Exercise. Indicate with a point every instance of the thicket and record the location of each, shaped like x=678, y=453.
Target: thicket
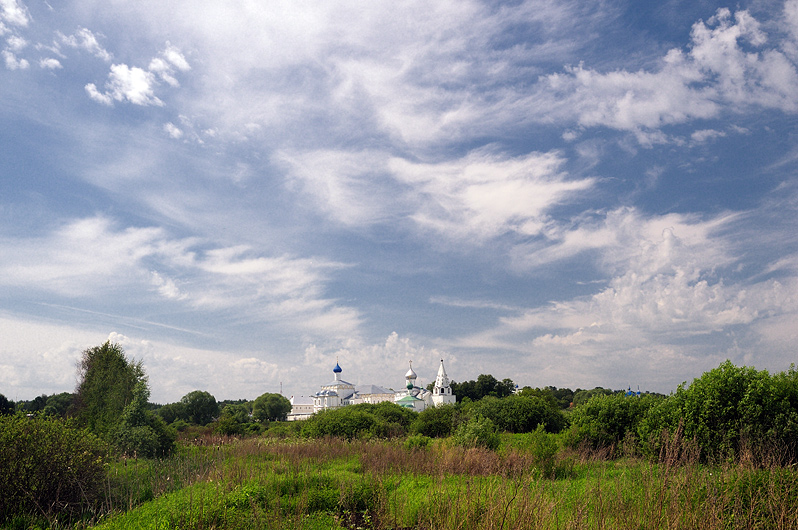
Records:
x=730, y=412
x=48, y=467
x=519, y=414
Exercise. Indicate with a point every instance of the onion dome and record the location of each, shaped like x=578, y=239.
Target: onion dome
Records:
x=337, y=368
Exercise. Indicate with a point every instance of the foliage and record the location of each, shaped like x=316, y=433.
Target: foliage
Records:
x=583, y=396
x=58, y=404
x=347, y=422
x=6, y=406
x=435, y=422
x=417, y=441
x=48, y=467
x=105, y=388
x=485, y=385
x=172, y=412
x=199, y=407
x=140, y=432
x=729, y=410
x=381, y=420
x=606, y=420
x=520, y=413
x=270, y=407
x=477, y=432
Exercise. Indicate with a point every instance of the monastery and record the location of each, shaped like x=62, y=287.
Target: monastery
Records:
x=340, y=393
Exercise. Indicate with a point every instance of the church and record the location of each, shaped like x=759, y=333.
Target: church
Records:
x=339, y=393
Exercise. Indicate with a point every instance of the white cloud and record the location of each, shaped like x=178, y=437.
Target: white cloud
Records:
x=89, y=258
x=485, y=195
x=84, y=39
x=50, y=64
x=173, y=131
x=13, y=13
x=136, y=85
x=704, y=135
x=477, y=197
x=14, y=63
x=132, y=84
x=717, y=73
x=164, y=67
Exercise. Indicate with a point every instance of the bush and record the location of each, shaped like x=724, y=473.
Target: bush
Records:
x=519, y=414
x=606, y=420
x=347, y=422
x=477, y=432
x=417, y=441
x=436, y=422
x=48, y=467
x=728, y=410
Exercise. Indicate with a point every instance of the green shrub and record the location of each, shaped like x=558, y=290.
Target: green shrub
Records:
x=520, y=413
x=436, y=422
x=729, y=410
x=477, y=432
x=417, y=441
x=347, y=422
x=606, y=420
x=48, y=467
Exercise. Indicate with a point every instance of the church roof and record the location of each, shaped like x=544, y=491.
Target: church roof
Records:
x=365, y=390
x=337, y=368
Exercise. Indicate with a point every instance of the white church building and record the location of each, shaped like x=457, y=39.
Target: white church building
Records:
x=339, y=393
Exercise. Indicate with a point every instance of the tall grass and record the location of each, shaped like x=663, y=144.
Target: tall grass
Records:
x=262, y=483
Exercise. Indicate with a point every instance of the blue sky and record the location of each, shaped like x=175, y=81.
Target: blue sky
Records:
x=562, y=193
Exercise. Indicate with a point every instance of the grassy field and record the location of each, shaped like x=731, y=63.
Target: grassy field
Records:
x=223, y=483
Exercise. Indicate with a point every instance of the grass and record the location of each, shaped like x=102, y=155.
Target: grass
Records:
x=224, y=483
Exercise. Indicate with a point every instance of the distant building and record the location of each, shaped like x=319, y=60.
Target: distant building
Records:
x=340, y=393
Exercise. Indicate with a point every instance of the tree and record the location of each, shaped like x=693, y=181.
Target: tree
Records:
x=58, y=404
x=105, y=388
x=6, y=406
x=140, y=432
x=485, y=385
x=271, y=407
x=200, y=407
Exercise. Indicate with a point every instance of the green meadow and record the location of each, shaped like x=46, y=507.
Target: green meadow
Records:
x=226, y=483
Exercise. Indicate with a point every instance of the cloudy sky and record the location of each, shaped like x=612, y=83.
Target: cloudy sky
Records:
x=562, y=192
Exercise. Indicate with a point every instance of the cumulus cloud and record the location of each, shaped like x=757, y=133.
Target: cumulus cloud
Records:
x=13, y=62
x=137, y=85
x=50, y=64
x=12, y=13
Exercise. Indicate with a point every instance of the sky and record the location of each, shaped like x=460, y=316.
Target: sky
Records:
x=242, y=194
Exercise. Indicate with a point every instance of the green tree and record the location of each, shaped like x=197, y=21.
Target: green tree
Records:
x=106, y=382
x=6, y=406
x=435, y=422
x=583, y=396
x=270, y=407
x=58, y=404
x=200, y=407
x=141, y=432
x=172, y=412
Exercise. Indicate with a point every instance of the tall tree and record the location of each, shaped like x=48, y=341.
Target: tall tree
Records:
x=106, y=382
x=271, y=407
